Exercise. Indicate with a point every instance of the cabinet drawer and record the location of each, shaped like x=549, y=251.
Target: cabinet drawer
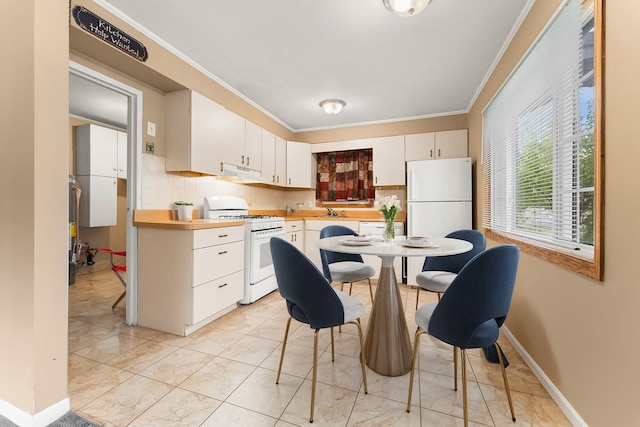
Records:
x=216, y=261
x=211, y=297
x=294, y=226
x=217, y=236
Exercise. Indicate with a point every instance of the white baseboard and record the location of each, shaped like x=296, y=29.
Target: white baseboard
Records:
x=41, y=419
x=553, y=391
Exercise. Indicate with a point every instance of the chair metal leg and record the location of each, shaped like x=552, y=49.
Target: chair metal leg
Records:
x=362, y=362
x=284, y=345
x=464, y=386
x=315, y=372
x=350, y=287
x=416, y=344
x=333, y=353
x=455, y=368
x=417, y=295
x=370, y=290
x=506, y=381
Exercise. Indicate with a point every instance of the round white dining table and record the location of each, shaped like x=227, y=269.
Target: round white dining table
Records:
x=387, y=347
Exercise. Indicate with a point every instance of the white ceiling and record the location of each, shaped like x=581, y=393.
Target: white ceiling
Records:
x=285, y=56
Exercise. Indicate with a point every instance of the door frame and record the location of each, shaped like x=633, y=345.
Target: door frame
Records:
x=134, y=178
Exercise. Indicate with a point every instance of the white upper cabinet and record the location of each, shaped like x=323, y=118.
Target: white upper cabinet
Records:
x=252, y=157
x=96, y=151
x=268, y=170
x=388, y=160
x=274, y=159
x=122, y=155
x=301, y=165
x=281, y=162
x=201, y=134
x=436, y=145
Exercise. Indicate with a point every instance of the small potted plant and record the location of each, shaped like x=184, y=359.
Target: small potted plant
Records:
x=185, y=210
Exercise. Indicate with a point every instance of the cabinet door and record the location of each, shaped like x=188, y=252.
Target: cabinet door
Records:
x=388, y=160
x=311, y=250
x=96, y=151
x=207, y=124
x=299, y=165
x=122, y=155
x=451, y=144
x=252, y=146
x=268, y=171
x=281, y=162
x=99, y=201
x=420, y=146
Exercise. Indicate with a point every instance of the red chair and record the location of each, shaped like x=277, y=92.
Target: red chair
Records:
x=118, y=270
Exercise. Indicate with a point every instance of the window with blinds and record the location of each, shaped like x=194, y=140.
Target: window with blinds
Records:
x=540, y=138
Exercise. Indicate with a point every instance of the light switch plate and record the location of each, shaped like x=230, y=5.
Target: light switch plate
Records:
x=151, y=129
x=150, y=149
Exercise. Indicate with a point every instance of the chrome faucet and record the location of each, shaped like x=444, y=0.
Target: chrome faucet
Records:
x=330, y=212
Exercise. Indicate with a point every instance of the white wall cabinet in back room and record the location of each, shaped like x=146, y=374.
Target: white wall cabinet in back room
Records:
x=388, y=160
x=252, y=157
x=301, y=165
x=436, y=145
x=201, y=134
x=101, y=158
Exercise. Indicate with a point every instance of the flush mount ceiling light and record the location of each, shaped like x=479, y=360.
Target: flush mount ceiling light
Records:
x=332, y=106
x=406, y=7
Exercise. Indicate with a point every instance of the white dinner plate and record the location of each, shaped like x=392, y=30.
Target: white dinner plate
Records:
x=419, y=244
x=356, y=242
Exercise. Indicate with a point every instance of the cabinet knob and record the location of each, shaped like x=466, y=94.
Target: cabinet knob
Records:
x=223, y=235
x=247, y=160
x=439, y=152
x=223, y=285
x=431, y=153
x=242, y=160
x=222, y=253
x=221, y=167
x=273, y=179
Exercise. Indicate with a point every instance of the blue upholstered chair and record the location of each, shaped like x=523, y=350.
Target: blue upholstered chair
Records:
x=471, y=312
x=438, y=272
x=344, y=268
x=311, y=299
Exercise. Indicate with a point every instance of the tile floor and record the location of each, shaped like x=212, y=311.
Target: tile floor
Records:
x=224, y=374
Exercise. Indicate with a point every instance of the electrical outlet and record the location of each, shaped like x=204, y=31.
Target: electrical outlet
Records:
x=150, y=147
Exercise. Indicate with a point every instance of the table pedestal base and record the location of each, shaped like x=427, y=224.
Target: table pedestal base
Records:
x=387, y=348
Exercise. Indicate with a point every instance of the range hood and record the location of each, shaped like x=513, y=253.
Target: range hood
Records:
x=240, y=174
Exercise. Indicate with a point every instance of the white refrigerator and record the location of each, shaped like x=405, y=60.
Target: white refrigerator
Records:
x=438, y=201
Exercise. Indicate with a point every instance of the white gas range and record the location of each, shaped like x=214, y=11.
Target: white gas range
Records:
x=259, y=275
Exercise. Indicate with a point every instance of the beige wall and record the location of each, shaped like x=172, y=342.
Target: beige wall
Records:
x=583, y=333
x=33, y=184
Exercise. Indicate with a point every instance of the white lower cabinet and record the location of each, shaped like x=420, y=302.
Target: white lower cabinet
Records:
x=295, y=233
x=187, y=278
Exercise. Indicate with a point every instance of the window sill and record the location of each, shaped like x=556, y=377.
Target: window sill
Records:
x=590, y=268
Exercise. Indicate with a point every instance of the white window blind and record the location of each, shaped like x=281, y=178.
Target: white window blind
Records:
x=538, y=140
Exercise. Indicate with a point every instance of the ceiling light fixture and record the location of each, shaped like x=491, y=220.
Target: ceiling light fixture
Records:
x=332, y=106
x=406, y=7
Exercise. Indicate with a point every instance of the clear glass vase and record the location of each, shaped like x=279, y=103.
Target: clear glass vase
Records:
x=389, y=231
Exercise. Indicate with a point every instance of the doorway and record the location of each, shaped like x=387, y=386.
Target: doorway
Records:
x=134, y=168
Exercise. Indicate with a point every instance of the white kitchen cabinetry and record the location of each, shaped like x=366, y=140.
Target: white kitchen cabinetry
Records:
x=295, y=233
x=436, y=145
x=187, y=278
x=274, y=159
x=101, y=158
x=312, y=228
x=301, y=165
x=201, y=134
x=268, y=171
x=122, y=155
x=99, y=201
x=252, y=157
x=388, y=161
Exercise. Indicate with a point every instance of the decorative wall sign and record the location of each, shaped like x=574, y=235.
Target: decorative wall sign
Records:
x=93, y=24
